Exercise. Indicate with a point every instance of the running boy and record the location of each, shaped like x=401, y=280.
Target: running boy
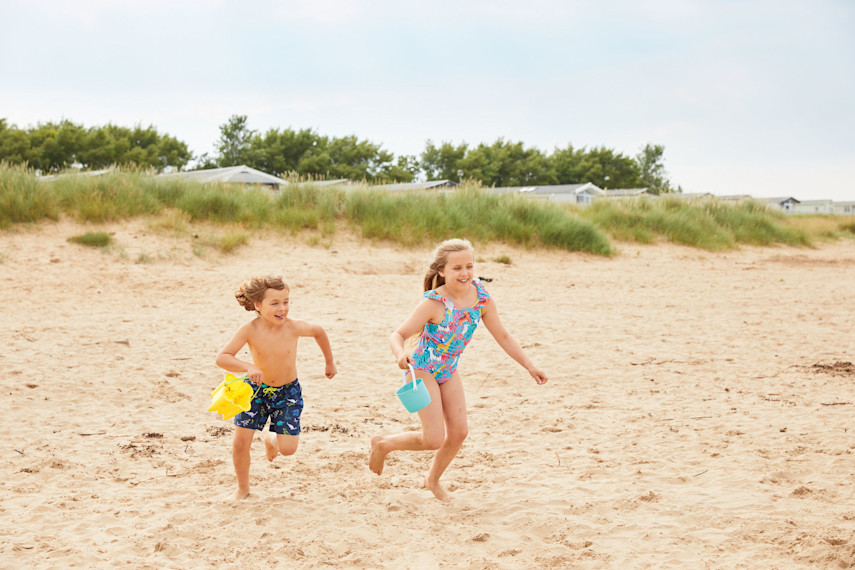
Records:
x=272, y=340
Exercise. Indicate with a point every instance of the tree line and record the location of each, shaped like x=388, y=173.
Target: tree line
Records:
x=50, y=147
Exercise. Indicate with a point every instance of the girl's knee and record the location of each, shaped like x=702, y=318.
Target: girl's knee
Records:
x=457, y=436
x=434, y=440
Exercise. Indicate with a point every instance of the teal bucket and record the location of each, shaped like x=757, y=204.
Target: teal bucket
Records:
x=414, y=395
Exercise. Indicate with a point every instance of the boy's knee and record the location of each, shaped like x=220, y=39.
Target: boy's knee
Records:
x=241, y=445
x=287, y=449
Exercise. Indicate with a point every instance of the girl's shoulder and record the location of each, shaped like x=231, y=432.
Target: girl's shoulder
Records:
x=434, y=295
x=483, y=295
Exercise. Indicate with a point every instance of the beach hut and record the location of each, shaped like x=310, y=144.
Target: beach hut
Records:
x=844, y=208
x=688, y=195
x=232, y=174
x=428, y=185
x=814, y=207
x=787, y=204
x=562, y=193
x=624, y=193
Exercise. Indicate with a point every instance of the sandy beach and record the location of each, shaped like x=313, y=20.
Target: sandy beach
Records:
x=700, y=411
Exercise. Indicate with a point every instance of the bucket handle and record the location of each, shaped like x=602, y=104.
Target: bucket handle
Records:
x=245, y=378
x=415, y=385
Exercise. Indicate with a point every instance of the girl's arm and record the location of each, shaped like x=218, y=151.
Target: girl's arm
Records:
x=490, y=317
x=228, y=360
x=427, y=310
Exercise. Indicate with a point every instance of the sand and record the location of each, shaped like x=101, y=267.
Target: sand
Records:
x=700, y=411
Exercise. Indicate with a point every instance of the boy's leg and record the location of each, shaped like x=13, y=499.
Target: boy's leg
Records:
x=241, y=459
x=431, y=436
x=276, y=443
x=284, y=429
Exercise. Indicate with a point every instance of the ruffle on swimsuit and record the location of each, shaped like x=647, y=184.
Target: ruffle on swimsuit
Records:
x=440, y=345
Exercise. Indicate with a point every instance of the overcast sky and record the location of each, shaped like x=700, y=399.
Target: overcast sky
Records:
x=747, y=96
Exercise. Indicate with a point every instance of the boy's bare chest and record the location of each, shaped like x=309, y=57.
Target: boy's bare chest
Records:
x=278, y=345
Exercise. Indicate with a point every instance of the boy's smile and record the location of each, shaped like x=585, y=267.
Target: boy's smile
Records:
x=274, y=306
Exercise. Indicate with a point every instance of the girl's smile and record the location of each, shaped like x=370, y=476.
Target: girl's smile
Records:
x=458, y=270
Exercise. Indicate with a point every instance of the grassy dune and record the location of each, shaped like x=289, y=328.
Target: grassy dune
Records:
x=408, y=218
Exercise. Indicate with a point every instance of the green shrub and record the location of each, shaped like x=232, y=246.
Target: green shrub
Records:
x=92, y=239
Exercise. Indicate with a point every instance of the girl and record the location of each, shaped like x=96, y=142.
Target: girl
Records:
x=453, y=305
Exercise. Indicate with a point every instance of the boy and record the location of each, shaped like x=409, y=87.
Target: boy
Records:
x=272, y=340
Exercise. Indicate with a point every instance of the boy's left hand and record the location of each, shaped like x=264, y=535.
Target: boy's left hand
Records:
x=538, y=376
x=330, y=370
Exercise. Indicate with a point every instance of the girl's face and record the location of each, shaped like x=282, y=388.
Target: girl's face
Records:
x=459, y=270
x=273, y=308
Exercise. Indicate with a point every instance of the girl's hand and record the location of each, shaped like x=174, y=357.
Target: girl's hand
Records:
x=254, y=374
x=404, y=361
x=538, y=376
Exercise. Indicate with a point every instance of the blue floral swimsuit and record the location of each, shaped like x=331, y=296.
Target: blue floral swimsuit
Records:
x=441, y=344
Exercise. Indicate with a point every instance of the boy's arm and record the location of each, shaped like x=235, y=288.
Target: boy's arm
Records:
x=490, y=317
x=228, y=360
x=320, y=335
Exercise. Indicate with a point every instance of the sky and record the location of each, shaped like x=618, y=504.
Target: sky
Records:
x=749, y=97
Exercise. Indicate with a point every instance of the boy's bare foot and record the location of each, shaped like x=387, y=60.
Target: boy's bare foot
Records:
x=271, y=447
x=437, y=490
x=378, y=455
x=239, y=495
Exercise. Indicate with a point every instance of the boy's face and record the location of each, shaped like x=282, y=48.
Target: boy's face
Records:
x=274, y=306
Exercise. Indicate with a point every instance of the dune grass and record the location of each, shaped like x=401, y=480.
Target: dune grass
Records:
x=421, y=217
x=22, y=198
x=709, y=224
x=176, y=205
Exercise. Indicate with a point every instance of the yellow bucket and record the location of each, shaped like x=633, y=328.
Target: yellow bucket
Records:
x=231, y=397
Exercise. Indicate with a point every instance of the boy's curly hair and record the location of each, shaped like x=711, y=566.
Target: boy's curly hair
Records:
x=252, y=291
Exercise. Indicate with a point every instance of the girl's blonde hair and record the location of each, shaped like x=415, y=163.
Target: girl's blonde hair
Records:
x=433, y=279
x=440, y=258
x=253, y=291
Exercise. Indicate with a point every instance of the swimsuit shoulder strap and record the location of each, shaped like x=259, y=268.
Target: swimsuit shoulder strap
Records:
x=432, y=294
x=483, y=296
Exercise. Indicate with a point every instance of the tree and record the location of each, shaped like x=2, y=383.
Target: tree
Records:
x=110, y=145
x=54, y=146
x=14, y=143
x=442, y=163
x=507, y=164
x=347, y=157
x=279, y=152
x=234, y=143
x=600, y=166
x=653, y=175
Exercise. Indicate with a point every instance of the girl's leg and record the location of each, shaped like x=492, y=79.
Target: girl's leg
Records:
x=276, y=443
x=456, y=430
x=431, y=436
x=241, y=459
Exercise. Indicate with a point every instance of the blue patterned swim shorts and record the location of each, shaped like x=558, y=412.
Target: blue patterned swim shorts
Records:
x=282, y=404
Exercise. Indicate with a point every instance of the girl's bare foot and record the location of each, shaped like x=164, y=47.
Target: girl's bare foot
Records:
x=239, y=495
x=271, y=447
x=437, y=490
x=378, y=455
